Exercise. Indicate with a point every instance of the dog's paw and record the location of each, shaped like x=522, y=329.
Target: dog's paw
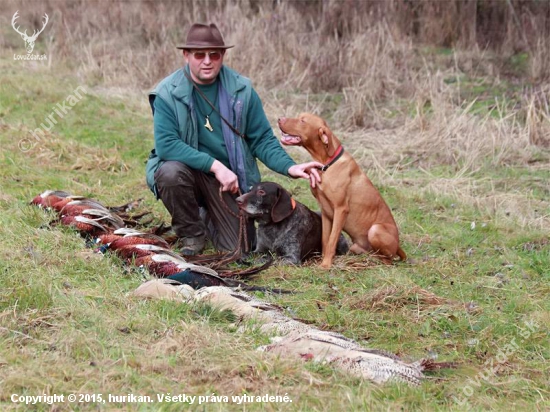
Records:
x=290, y=260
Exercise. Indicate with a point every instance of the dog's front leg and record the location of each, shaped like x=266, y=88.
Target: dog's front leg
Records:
x=262, y=246
x=326, y=218
x=329, y=248
x=326, y=223
x=290, y=259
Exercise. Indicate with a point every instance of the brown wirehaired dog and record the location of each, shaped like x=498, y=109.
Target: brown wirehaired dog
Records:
x=285, y=226
x=347, y=197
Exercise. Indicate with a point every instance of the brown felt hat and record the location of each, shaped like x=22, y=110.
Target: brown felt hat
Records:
x=202, y=36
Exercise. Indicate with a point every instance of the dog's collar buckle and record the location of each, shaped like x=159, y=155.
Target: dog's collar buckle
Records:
x=334, y=158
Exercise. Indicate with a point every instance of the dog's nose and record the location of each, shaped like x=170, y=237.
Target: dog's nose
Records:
x=239, y=200
x=282, y=120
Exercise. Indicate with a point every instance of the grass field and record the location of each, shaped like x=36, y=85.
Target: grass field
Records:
x=465, y=171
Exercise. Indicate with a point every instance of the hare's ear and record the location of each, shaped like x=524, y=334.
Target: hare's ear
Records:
x=283, y=206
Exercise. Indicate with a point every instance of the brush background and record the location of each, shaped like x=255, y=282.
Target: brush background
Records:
x=445, y=105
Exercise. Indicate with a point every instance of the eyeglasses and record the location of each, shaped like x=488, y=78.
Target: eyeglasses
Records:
x=214, y=55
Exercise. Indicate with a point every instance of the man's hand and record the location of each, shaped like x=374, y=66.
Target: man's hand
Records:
x=307, y=171
x=228, y=180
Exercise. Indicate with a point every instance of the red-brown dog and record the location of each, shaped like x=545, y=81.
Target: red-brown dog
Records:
x=347, y=197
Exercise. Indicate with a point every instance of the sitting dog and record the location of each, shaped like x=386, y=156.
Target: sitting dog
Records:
x=347, y=197
x=285, y=226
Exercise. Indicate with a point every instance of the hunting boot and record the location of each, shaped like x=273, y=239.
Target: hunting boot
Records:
x=192, y=245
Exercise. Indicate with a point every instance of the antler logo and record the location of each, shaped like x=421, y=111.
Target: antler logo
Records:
x=29, y=40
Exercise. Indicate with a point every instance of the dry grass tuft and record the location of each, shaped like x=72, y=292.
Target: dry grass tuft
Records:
x=391, y=298
x=349, y=263
x=537, y=120
x=538, y=244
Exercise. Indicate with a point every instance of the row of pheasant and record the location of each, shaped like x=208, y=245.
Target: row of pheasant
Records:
x=177, y=279
x=107, y=227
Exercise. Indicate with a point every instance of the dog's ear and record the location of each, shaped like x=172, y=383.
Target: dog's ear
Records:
x=282, y=207
x=326, y=136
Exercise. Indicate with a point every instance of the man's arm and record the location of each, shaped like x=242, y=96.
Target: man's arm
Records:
x=266, y=147
x=228, y=180
x=263, y=143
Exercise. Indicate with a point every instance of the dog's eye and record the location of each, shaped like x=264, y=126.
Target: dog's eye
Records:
x=261, y=192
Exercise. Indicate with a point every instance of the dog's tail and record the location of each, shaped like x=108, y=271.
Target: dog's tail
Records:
x=402, y=255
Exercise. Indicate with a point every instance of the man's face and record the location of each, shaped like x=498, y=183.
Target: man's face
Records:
x=204, y=64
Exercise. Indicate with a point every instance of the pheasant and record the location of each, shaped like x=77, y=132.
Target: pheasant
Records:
x=130, y=252
x=59, y=205
x=92, y=222
x=69, y=206
x=138, y=239
x=155, y=268
x=49, y=197
x=84, y=225
x=108, y=238
x=105, y=240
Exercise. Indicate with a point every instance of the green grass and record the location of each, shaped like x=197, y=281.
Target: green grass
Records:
x=67, y=324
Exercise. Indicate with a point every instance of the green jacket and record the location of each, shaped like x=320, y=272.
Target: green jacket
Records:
x=176, y=135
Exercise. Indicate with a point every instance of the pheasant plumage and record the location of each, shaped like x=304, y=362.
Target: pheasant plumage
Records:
x=84, y=224
x=49, y=197
x=141, y=239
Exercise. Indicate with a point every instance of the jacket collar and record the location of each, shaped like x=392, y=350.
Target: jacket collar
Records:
x=182, y=89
